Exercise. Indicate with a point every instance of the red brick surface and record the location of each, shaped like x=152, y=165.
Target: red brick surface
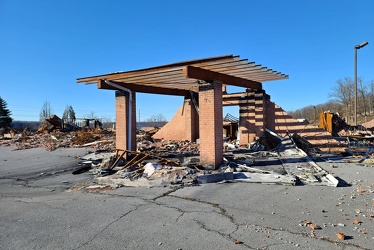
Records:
x=210, y=123
x=122, y=113
x=183, y=125
x=318, y=137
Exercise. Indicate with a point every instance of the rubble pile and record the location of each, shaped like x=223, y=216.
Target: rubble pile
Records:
x=98, y=139
x=145, y=143
x=54, y=133
x=177, y=146
x=159, y=166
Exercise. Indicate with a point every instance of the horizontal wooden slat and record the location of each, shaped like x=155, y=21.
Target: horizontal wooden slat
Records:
x=229, y=69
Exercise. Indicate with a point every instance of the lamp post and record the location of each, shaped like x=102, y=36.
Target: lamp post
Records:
x=355, y=74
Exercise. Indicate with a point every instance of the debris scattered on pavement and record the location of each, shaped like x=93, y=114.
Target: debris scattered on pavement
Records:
x=167, y=163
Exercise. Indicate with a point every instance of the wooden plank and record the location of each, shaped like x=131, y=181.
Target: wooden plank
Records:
x=139, y=157
x=117, y=159
x=144, y=89
x=208, y=75
x=132, y=162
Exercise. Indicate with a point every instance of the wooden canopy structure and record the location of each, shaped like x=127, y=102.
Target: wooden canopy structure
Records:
x=180, y=78
x=202, y=79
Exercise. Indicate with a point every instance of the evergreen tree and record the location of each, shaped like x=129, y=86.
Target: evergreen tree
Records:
x=5, y=119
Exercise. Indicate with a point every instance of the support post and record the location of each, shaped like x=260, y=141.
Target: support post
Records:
x=125, y=131
x=211, y=123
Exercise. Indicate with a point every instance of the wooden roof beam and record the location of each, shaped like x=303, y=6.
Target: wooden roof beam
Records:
x=144, y=89
x=208, y=75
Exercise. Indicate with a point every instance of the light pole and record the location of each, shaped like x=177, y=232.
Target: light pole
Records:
x=355, y=74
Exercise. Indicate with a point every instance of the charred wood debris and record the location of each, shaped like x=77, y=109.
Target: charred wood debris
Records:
x=271, y=160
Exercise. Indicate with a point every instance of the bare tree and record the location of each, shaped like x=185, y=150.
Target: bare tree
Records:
x=343, y=93
x=342, y=101
x=91, y=115
x=362, y=96
x=309, y=112
x=371, y=96
x=45, y=112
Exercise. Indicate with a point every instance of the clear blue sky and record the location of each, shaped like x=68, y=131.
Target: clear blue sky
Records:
x=45, y=45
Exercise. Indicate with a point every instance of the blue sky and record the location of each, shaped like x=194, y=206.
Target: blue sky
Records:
x=45, y=45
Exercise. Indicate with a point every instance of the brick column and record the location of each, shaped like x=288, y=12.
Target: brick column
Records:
x=270, y=114
x=247, y=128
x=260, y=118
x=122, y=120
x=211, y=123
x=191, y=119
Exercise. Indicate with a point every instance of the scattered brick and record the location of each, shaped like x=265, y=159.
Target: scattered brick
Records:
x=358, y=222
x=314, y=227
x=341, y=236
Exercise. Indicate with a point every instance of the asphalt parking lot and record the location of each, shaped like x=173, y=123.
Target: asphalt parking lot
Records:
x=42, y=208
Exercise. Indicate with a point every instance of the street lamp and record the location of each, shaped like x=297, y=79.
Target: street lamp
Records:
x=355, y=74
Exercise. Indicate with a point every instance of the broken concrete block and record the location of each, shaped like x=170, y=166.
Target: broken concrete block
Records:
x=150, y=168
x=211, y=178
x=333, y=180
x=265, y=178
x=7, y=136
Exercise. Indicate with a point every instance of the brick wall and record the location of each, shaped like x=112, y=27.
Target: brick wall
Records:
x=183, y=125
x=174, y=129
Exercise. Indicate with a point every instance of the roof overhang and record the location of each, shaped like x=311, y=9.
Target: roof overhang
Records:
x=182, y=77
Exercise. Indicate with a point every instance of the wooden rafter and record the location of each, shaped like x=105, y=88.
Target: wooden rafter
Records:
x=207, y=75
x=144, y=89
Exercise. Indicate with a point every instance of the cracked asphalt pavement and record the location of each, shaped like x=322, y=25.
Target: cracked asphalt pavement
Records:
x=38, y=211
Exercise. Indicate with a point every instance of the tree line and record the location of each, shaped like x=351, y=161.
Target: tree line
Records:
x=342, y=101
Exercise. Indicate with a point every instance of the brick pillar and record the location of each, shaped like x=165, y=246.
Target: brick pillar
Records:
x=247, y=128
x=191, y=119
x=270, y=114
x=122, y=119
x=211, y=123
x=260, y=118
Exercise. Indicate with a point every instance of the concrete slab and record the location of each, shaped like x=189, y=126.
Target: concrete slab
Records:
x=211, y=178
x=265, y=178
